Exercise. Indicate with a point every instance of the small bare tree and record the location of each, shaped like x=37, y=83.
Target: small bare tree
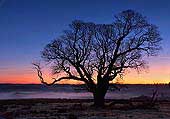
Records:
x=97, y=53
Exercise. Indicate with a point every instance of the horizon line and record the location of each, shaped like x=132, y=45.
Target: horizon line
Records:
x=83, y=84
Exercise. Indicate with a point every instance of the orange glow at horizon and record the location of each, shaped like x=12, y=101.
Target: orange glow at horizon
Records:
x=131, y=78
x=159, y=72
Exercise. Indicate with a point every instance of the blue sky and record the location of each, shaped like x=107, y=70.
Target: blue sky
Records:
x=26, y=26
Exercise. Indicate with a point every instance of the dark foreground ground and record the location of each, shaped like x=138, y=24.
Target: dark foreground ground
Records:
x=81, y=109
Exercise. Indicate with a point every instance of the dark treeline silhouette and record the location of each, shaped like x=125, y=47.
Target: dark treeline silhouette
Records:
x=98, y=53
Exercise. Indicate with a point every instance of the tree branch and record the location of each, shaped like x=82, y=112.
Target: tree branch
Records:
x=39, y=73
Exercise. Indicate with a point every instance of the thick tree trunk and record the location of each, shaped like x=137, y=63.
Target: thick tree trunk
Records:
x=99, y=94
x=99, y=99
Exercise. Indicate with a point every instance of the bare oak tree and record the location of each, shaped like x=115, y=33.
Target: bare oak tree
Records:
x=97, y=53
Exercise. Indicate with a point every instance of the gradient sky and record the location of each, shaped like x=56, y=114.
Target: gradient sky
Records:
x=26, y=26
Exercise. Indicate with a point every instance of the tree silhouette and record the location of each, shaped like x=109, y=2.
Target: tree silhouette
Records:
x=97, y=53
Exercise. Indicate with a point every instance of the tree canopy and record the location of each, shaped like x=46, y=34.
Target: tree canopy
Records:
x=97, y=53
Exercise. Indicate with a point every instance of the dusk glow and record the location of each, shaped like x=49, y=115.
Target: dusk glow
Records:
x=26, y=26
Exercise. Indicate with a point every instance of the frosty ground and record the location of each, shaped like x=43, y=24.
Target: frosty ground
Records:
x=80, y=109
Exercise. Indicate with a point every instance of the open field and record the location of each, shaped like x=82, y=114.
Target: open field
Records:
x=80, y=109
x=31, y=91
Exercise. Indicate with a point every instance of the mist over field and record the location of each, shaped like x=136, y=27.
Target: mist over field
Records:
x=27, y=91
